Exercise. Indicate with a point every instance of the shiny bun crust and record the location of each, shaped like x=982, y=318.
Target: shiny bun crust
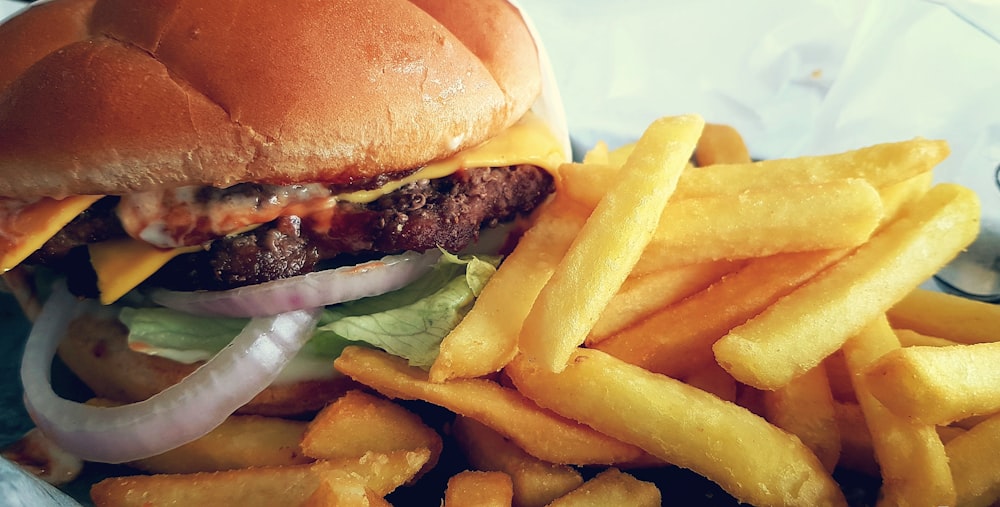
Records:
x=96, y=350
x=116, y=96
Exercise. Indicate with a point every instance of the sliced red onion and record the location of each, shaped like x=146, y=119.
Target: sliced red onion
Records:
x=179, y=414
x=312, y=290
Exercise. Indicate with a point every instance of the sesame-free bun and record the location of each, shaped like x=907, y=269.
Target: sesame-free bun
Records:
x=188, y=92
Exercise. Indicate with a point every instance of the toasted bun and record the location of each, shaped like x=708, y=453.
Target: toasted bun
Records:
x=187, y=92
x=96, y=350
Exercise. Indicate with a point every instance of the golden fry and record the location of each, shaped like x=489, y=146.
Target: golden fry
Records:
x=881, y=165
x=677, y=340
x=720, y=144
x=911, y=456
x=479, y=489
x=245, y=487
x=609, y=244
x=611, y=487
x=909, y=338
x=642, y=295
x=374, y=425
x=762, y=222
x=540, y=432
x=535, y=482
x=598, y=154
x=947, y=316
x=751, y=459
x=805, y=408
x=239, y=442
x=973, y=458
x=795, y=333
x=938, y=385
x=486, y=339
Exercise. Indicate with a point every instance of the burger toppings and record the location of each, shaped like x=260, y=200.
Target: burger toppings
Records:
x=171, y=418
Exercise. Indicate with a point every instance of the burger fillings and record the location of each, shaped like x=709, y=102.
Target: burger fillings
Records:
x=349, y=127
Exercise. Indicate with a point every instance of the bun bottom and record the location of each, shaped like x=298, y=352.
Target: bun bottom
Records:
x=96, y=350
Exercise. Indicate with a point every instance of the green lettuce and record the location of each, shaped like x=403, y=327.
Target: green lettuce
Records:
x=409, y=322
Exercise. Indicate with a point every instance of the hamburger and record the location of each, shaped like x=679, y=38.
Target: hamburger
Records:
x=204, y=195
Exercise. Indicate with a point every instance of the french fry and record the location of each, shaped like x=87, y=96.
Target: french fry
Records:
x=856, y=451
x=245, y=487
x=535, y=482
x=678, y=339
x=479, y=489
x=713, y=379
x=938, y=385
x=910, y=338
x=239, y=442
x=805, y=408
x=946, y=316
x=339, y=490
x=642, y=295
x=540, y=432
x=762, y=222
x=973, y=458
x=881, y=165
x=486, y=339
x=598, y=154
x=795, y=333
x=751, y=459
x=611, y=487
x=720, y=144
x=374, y=425
x=609, y=244
x=897, y=196
x=911, y=457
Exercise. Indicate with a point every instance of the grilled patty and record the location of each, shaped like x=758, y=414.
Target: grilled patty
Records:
x=446, y=212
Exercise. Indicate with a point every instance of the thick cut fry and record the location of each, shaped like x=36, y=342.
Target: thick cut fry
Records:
x=805, y=408
x=910, y=455
x=486, y=339
x=801, y=329
x=973, y=458
x=897, y=196
x=720, y=144
x=337, y=491
x=938, y=385
x=479, y=489
x=762, y=222
x=598, y=154
x=678, y=340
x=536, y=482
x=239, y=442
x=250, y=487
x=540, y=432
x=611, y=487
x=751, y=459
x=855, y=441
x=609, y=244
x=947, y=316
x=374, y=425
x=882, y=165
x=641, y=296
x=909, y=338
x=713, y=379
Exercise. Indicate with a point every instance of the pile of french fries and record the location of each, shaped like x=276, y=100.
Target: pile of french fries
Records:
x=759, y=323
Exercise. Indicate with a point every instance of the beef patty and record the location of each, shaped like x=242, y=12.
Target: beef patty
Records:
x=445, y=212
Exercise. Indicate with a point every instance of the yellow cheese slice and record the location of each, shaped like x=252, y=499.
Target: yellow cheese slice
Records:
x=31, y=226
x=529, y=141
x=122, y=264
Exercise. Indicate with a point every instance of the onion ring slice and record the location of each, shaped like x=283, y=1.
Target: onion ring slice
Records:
x=311, y=290
x=179, y=414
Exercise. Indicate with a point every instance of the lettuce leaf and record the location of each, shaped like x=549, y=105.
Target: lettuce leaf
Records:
x=409, y=322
